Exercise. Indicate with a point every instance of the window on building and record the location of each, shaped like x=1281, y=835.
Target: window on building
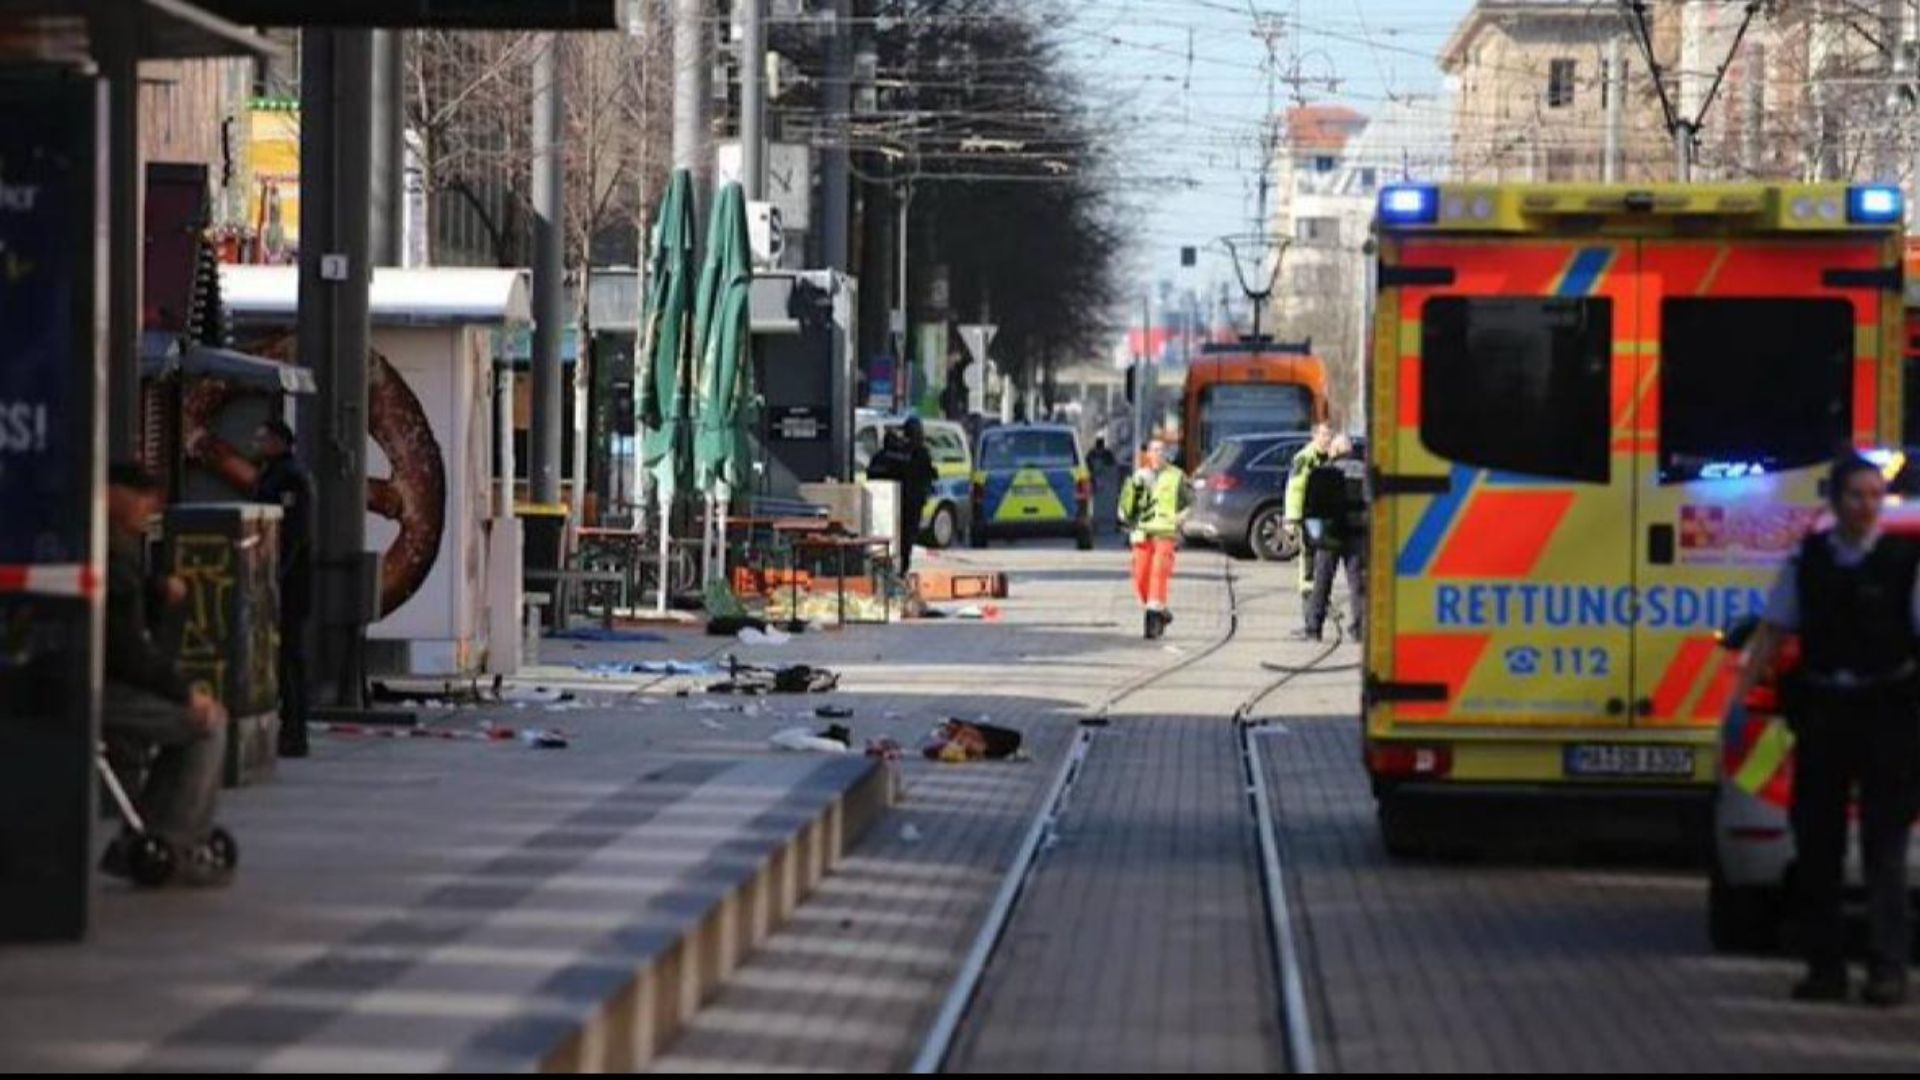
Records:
x=1369, y=179
x=1560, y=74
x=1317, y=230
x=1753, y=383
x=1519, y=384
x=1324, y=164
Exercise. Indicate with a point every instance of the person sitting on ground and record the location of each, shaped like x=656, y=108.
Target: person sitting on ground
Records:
x=146, y=704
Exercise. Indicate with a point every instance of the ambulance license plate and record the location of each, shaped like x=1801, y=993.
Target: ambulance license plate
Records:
x=1675, y=761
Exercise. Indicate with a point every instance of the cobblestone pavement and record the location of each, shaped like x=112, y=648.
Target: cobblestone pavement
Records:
x=1538, y=961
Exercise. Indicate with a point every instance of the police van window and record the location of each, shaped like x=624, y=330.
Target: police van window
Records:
x=1027, y=449
x=1752, y=386
x=946, y=447
x=1519, y=384
x=865, y=444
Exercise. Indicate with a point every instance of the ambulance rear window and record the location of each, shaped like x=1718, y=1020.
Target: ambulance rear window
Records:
x=1753, y=385
x=1519, y=384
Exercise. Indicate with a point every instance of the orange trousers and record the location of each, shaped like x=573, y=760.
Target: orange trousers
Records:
x=1153, y=570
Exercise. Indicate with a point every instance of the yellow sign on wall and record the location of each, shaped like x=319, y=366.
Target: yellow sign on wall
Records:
x=273, y=147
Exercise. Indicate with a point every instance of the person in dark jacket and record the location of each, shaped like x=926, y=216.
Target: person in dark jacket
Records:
x=1852, y=594
x=146, y=703
x=1335, y=512
x=911, y=465
x=284, y=482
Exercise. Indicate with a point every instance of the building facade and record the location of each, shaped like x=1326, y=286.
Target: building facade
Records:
x=1531, y=96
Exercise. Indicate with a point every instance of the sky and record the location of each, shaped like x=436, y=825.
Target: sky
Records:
x=1188, y=80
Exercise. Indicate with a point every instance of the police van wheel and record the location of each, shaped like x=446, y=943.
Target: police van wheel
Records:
x=1741, y=919
x=1270, y=539
x=945, y=528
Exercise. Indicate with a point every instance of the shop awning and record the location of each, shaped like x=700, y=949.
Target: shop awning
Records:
x=162, y=354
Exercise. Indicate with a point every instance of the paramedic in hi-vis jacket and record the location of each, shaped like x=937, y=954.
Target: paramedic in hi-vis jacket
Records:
x=1850, y=593
x=1151, y=506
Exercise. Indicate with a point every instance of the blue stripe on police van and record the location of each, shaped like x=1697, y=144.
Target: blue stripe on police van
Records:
x=1434, y=524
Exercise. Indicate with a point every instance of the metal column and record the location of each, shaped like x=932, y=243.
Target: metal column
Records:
x=116, y=45
x=753, y=98
x=835, y=186
x=548, y=291
x=336, y=155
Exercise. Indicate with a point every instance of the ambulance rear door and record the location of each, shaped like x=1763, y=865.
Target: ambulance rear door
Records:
x=1760, y=360
x=1507, y=501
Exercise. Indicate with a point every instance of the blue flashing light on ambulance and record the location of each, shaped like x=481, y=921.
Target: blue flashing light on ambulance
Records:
x=1598, y=416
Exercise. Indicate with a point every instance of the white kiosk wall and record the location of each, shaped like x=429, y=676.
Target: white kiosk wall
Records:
x=433, y=512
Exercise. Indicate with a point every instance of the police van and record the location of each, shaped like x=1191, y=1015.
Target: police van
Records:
x=1598, y=419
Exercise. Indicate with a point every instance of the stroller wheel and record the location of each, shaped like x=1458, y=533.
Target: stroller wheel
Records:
x=221, y=845
x=150, y=861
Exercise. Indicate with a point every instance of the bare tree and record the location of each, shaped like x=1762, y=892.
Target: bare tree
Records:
x=469, y=105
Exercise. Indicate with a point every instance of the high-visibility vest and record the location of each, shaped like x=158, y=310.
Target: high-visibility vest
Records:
x=1154, y=508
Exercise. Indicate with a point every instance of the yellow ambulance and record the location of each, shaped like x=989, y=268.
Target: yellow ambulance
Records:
x=1599, y=415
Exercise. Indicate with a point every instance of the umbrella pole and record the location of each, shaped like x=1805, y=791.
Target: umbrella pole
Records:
x=725, y=499
x=666, y=541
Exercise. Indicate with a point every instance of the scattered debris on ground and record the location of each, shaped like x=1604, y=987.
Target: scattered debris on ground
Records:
x=958, y=741
x=607, y=634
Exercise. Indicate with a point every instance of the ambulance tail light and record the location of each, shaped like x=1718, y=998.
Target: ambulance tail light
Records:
x=1399, y=761
x=1222, y=482
x=1409, y=204
x=1875, y=204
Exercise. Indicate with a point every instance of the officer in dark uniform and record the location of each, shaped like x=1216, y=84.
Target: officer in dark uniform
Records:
x=1853, y=596
x=284, y=482
x=1335, y=512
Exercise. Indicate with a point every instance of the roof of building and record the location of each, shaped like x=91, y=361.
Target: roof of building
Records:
x=1322, y=127
x=1485, y=13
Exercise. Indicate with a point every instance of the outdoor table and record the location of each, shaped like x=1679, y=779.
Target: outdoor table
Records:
x=877, y=551
x=622, y=549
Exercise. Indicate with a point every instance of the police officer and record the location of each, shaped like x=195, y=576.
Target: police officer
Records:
x=1311, y=456
x=1852, y=595
x=283, y=482
x=1335, y=509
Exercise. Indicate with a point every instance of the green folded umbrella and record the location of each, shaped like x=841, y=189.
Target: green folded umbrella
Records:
x=723, y=320
x=664, y=389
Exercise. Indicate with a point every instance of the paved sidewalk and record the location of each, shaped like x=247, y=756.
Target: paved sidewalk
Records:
x=1528, y=964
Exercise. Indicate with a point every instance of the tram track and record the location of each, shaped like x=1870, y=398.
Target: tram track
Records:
x=1294, y=1019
